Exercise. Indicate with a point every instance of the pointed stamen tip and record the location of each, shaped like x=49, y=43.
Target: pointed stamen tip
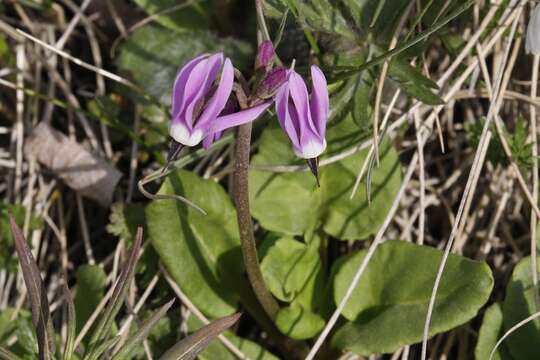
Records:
x=313, y=164
x=174, y=149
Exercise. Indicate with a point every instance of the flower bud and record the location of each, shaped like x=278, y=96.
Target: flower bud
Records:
x=271, y=83
x=265, y=56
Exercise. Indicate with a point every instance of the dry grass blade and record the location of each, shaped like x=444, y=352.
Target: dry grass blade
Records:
x=188, y=348
x=71, y=324
x=140, y=336
x=38, y=297
x=104, y=326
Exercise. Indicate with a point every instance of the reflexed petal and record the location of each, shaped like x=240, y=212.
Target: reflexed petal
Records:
x=319, y=104
x=200, y=85
x=179, y=85
x=300, y=97
x=220, y=97
x=239, y=118
x=282, y=111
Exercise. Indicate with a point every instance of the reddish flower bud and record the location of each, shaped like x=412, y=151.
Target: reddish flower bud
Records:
x=265, y=56
x=271, y=82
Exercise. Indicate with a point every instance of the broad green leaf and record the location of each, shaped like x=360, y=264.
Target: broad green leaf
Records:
x=153, y=55
x=216, y=349
x=189, y=15
x=201, y=252
x=299, y=323
x=388, y=307
x=285, y=202
x=518, y=304
x=490, y=332
x=356, y=218
x=289, y=267
x=91, y=281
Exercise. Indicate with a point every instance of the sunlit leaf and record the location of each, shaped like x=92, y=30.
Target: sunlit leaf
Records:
x=201, y=252
x=388, y=307
x=518, y=304
x=298, y=322
x=490, y=332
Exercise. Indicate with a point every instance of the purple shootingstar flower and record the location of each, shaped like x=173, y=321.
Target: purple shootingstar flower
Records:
x=200, y=110
x=303, y=118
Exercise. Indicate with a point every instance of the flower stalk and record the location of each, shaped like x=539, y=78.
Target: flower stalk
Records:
x=243, y=214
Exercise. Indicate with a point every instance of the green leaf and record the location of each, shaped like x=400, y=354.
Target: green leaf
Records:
x=124, y=220
x=189, y=15
x=490, y=332
x=216, y=349
x=41, y=317
x=288, y=267
x=91, y=281
x=321, y=15
x=189, y=347
x=413, y=82
x=361, y=108
x=291, y=203
x=18, y=323
x=518, y=304
x=299, y=323
x=153, y=55
x=70, y=322
x=346, y=18
x=100, y=340
x=282, y=202
x=7, y=260
x=142, y=333
x=356, y=218
x=202, y=253
x=388, y=308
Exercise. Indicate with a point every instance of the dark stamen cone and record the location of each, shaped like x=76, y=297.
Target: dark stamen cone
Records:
x=174, y=149
x=314, y=167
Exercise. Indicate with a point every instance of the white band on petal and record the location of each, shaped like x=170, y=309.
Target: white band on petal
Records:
x=311, y=150
x=182, y=135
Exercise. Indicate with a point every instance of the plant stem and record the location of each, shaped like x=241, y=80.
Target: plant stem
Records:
x=245, y=225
